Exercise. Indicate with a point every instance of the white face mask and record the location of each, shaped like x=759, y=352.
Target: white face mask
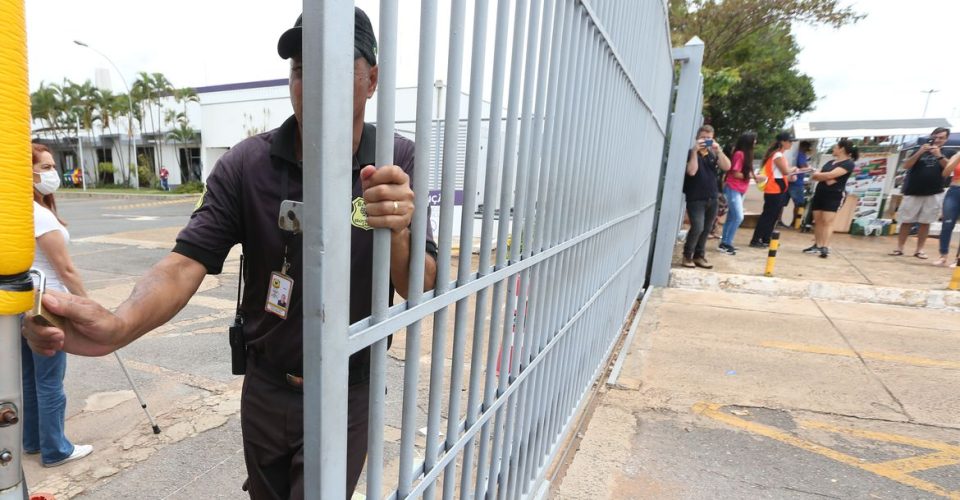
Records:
x=49, y=182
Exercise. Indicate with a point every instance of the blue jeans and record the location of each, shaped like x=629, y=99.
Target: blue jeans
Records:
x=44, y=404
x=734, y=215
x=951, y=211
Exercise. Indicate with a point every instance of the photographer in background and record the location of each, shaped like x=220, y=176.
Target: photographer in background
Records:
x=701, y=189
x=922, y=188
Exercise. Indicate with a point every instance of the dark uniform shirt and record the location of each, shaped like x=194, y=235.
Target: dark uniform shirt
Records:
x=241, y=204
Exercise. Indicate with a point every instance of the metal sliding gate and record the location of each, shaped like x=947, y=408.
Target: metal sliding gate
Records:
x=499, y=357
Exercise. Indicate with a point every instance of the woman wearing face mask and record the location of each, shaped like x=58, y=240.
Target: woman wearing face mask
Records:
x=44, y=401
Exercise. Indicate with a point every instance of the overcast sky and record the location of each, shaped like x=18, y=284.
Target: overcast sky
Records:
x=873, y=70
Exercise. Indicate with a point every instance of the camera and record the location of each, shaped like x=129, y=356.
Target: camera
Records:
x=708, y=143
x=930, y=141
x=238, y=346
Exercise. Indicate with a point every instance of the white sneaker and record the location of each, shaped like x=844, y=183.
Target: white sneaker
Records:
x=79, y=451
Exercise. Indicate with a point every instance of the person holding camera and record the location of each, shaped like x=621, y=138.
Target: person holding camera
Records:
x=241, y=204
x=921, y=190
x=701, y=189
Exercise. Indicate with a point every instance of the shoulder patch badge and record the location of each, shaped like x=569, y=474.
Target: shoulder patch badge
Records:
x=359, y=216
x=202, y=196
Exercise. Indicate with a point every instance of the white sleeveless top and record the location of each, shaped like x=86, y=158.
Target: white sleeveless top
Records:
x=43, y=222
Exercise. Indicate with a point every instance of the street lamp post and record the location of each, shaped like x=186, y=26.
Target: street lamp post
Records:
x=133, y=136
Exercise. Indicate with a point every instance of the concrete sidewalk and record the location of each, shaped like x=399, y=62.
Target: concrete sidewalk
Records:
x=733, y=395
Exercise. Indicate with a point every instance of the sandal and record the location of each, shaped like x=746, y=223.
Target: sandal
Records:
x=942, y=261
x=921, y=255
x=896, y=253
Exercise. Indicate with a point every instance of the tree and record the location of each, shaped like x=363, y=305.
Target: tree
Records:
x=750, y=78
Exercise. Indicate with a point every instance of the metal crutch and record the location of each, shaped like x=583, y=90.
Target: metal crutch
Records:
x=143, y=403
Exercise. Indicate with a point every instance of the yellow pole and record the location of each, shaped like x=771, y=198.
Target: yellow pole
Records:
x=16, y=236
x=800, y=213
x=772, y=253
x=955, y=281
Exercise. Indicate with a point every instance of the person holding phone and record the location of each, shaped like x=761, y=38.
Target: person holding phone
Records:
x=830, y=193
x=701, y=189
x=921, y=189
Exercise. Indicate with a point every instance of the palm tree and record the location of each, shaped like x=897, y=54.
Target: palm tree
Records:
x=46, y=106
x=183, y=135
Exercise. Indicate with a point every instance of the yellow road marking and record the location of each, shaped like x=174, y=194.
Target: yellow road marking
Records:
x=875, y=356
x=882, y=436
x=153, y=204
x=923, y=462
x=885, y=469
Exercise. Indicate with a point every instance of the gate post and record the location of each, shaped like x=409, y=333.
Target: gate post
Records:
x=686, y=119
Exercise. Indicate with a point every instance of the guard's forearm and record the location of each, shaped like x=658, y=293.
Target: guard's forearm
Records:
x=158, y=296
x=400, y=264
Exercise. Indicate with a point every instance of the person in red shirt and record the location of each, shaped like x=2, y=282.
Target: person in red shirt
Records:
x=164, y=175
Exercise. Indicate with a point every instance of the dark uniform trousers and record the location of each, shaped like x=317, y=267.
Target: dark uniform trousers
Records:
x=271, y=418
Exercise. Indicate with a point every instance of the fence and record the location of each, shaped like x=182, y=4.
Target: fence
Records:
x=521, y=332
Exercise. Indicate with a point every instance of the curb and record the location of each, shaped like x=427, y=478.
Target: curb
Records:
x=124, y=196
x=837, y=292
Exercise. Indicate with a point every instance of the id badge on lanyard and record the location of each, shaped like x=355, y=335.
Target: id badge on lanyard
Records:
x=280, y=286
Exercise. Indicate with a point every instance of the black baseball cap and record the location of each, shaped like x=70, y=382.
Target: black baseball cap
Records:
x=364, y=40
x=786, y=137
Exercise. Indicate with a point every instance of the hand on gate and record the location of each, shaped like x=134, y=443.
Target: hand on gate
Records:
x=388, y=197
x=88, y=328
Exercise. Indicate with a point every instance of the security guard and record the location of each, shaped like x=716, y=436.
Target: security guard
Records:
x=240, y=205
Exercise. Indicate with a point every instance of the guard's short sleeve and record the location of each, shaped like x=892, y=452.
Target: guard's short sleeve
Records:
x=216, y=224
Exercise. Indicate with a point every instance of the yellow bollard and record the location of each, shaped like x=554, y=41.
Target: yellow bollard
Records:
x=16, y=236
x=16, y=182
x=800, y=213
x=772, y=254
x=955, y=281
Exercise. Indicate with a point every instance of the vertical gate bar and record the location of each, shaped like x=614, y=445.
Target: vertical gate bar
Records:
x=555, y=118
x=552, y=314
x=486, y=235
x=506, y=197
x=512, y=360
x=559, y=232
x=411, y=366
x=532, y=347
x=475, y=109
x=327, y=103
x=478, y=59
x=574, y=210
x=451, y=132
x=386, y=100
